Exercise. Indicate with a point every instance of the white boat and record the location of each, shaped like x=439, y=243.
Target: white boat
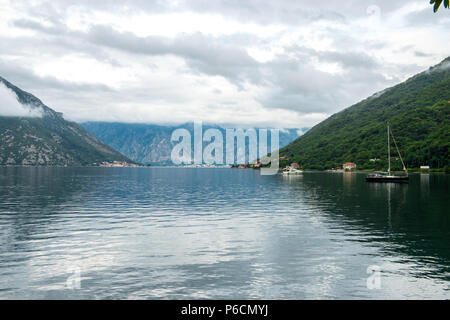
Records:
x=291, y=171
x=387, y=176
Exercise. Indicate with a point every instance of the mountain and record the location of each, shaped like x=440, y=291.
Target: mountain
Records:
x=418, y=111
x=33, y=134
x=149, y=143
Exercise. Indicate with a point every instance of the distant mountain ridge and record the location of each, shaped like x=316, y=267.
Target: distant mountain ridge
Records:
x=48, y=139
x=418, y=111
x=150, y=143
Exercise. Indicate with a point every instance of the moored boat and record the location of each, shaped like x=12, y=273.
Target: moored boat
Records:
x=387, y=176
x=291, y=171
x=380, y=177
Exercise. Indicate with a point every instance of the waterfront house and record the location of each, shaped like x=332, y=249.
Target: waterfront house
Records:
x=349, y=166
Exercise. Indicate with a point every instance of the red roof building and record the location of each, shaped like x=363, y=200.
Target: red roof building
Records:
x=349, y=166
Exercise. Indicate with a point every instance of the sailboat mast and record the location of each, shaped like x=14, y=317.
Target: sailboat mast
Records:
x=389, y=151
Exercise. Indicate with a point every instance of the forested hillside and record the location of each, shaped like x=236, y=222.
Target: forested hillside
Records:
x=45, y=138
x=418, y=111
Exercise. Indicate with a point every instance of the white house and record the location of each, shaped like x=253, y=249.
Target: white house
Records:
x=349, y=166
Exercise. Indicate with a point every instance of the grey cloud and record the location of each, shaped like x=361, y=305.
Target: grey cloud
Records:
x=57, y=94
x=299, y=12
x=222, y=56
x=357, y=60
x=206, y=54
x=298, y=85
x=292, y=84
x=299, y=101
x=25, y=78
x=11, y=107
x=289, y=81
x=421, y=54
x=426, y=17
x=34, y=25
x=265, y=11
x=55, y=39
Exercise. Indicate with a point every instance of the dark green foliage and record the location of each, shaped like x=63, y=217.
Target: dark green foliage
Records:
x=437, y=4
x=418, y=111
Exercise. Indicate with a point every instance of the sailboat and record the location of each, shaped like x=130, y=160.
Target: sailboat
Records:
x=387, y=176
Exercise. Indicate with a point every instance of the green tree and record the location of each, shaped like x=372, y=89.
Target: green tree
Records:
x=437, y=4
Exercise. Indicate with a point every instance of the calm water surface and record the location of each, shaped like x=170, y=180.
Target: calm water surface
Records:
x=148, y=233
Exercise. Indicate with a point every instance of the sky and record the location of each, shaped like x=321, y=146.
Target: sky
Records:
x=261, y=63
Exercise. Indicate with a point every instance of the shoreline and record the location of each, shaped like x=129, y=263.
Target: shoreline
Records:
x=417, y=171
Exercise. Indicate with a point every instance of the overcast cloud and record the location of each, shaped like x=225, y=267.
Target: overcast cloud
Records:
x=260, y=63
x=11, y=107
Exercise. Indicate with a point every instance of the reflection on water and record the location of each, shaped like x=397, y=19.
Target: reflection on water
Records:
x=220, y=233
